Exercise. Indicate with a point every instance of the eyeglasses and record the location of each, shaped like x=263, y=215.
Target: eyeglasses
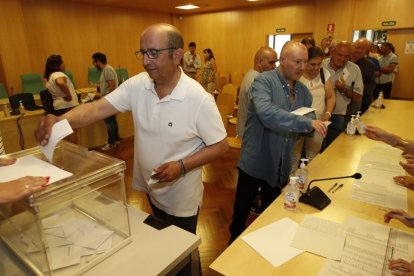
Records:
x=151, y=53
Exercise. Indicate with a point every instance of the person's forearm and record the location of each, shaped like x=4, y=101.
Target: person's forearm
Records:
x=330, y=104
x=205, y=155
x=66, y=90
x=111, y=85
x=404, y=145
x=86, y=114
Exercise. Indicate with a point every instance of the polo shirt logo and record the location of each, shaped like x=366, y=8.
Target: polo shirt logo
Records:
x=170, y=124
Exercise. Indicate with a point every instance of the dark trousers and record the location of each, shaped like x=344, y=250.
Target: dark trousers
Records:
x=247, y=187
x=385, y=88
x=334, y=130
x=112, y=129
x=187, y=223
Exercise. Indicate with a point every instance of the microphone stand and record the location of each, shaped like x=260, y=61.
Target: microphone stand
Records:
x=315, y=197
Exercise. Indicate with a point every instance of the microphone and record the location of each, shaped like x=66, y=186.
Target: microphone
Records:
x=315, y=197
x=355, y=175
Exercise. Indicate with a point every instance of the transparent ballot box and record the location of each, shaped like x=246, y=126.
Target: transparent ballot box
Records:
x=74, y=223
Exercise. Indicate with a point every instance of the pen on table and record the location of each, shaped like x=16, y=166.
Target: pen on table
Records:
x=334, y=185
x=339, y=187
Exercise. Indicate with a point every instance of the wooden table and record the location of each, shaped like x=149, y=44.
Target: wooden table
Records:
x=19, y=130
x=340, y=159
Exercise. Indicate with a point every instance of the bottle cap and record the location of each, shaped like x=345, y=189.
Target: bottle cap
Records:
x=302, y=163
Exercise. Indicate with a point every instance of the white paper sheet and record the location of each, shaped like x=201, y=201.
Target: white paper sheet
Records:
x=32, y=166
x=303, y=110
x=321, y=237
x=62, y=257
x=152, y=181
x=378, y=167
x=273, y=241
x=59, y=131
x=365, y=251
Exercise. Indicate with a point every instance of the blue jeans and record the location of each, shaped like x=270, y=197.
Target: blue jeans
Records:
x=112, y=128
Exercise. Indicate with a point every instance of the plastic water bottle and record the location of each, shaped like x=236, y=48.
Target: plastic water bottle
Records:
x=291, y=194
x=21, y=106
x=350, y=127
x=378, y=101
x=302, y=174
x=360, y=126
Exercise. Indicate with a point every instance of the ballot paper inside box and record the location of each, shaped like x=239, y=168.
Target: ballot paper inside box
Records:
x=73, y=224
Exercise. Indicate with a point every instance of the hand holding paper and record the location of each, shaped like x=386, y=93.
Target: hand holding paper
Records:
x=59, y=131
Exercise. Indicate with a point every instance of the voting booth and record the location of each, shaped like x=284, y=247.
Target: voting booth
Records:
x=72, y=225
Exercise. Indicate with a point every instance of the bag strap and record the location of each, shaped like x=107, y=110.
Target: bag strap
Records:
x=322, y=75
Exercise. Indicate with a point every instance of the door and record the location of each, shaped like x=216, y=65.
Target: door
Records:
x=403, y=86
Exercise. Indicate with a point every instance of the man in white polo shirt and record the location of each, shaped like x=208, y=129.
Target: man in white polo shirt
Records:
x=178, y=127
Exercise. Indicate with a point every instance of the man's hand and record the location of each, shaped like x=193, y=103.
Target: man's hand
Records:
x=319, y=127
x=168, y=172
x=340, y=85
x=43, y=131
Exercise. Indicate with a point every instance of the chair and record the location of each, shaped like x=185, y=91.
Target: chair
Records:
x=228, y=100
x=223, y=113
x=230, y=88
x=220, y=82
x=70, y=76
x=234, y=142
x=225, y=75
x=236, y=78
x=233, y=121
x=3, y=92
x=47, y=101
x=32, y=83
x=93, y=75
x=122, y=74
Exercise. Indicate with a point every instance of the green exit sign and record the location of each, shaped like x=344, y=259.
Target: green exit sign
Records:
x=280, y=30
x=389, y=23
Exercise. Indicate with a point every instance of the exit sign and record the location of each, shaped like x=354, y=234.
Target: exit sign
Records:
x=389, y=23
x=280, y=30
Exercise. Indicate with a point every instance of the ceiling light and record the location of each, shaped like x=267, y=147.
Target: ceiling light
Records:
x=187, y=7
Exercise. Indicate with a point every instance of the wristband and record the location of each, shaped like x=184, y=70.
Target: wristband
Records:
x=183, y=170
x=330, y=114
